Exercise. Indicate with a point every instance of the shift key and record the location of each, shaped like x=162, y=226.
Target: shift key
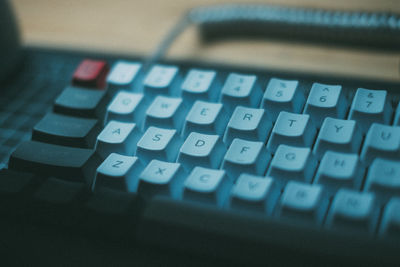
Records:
x=73, y=164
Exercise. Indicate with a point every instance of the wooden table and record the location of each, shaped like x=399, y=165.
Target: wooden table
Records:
x=138, y=26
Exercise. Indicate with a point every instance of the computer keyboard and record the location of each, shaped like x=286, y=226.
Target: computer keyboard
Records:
x=229, y=160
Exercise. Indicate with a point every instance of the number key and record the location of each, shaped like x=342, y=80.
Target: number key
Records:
x=122, y=75
x=242, y=90
x=370, y=106
x=199, y=85
x=161, y=80
x=325, y=100
x=282, y=95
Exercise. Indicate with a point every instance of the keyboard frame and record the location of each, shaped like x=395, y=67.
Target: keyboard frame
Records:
x=234, y=235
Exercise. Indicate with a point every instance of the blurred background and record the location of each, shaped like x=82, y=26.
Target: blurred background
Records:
x=136, y=27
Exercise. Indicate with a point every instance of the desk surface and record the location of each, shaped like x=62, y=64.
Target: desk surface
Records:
x=138, y=26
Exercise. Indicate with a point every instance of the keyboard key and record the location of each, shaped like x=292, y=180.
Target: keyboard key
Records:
x=338, y=170
x=162, y=178
x=205, y=117
x=201, y=150
x=122, y=75
x=165, y=112
x=384, y=177
x=248, y=123
x=81, y=102
x=74, y=164
x=206, y=186
x=160, y=80
x=303, y=203
x=200, y=85
x=254, y=193
x=354, y=211
x=91, y=73
x=118, y=137
x=338, y=135
x=370, y=106
x=66, y=130
x=292, y=129
x=158, y=143
x=325, y=101
x=282, y=95
x=126, y=107
x=118, y=172
x=381, y=141
x=292, y=163
x=390, y=225
x=245, y=156
x=397, y=116
x=240, y=90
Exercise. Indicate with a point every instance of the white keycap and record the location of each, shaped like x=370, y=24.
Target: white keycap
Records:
x=282, y=95
x=370, y=106
x=292, y=163
x=353, y=211
x=325, y=101
x=201, y=150
x=205, y=117
x=292, y=129
x=245, y=156
x=165, y=112
x=339, y=170
x=302, y=203
x=397, y=116
x=384, y=177
x=125, y=107
x=118, y=172
x=381, y=141
x=207, y=186
x=338, y=135
x=248, y=123
x=119, y=137
x=199, y=85
x=161, y=178
x=390, y=225
x=254, y=193
x=240, y=90
x=158, y=143
x=161, y=80
x=122, y=76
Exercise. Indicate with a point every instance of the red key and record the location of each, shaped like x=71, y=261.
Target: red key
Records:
x=91, y=73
